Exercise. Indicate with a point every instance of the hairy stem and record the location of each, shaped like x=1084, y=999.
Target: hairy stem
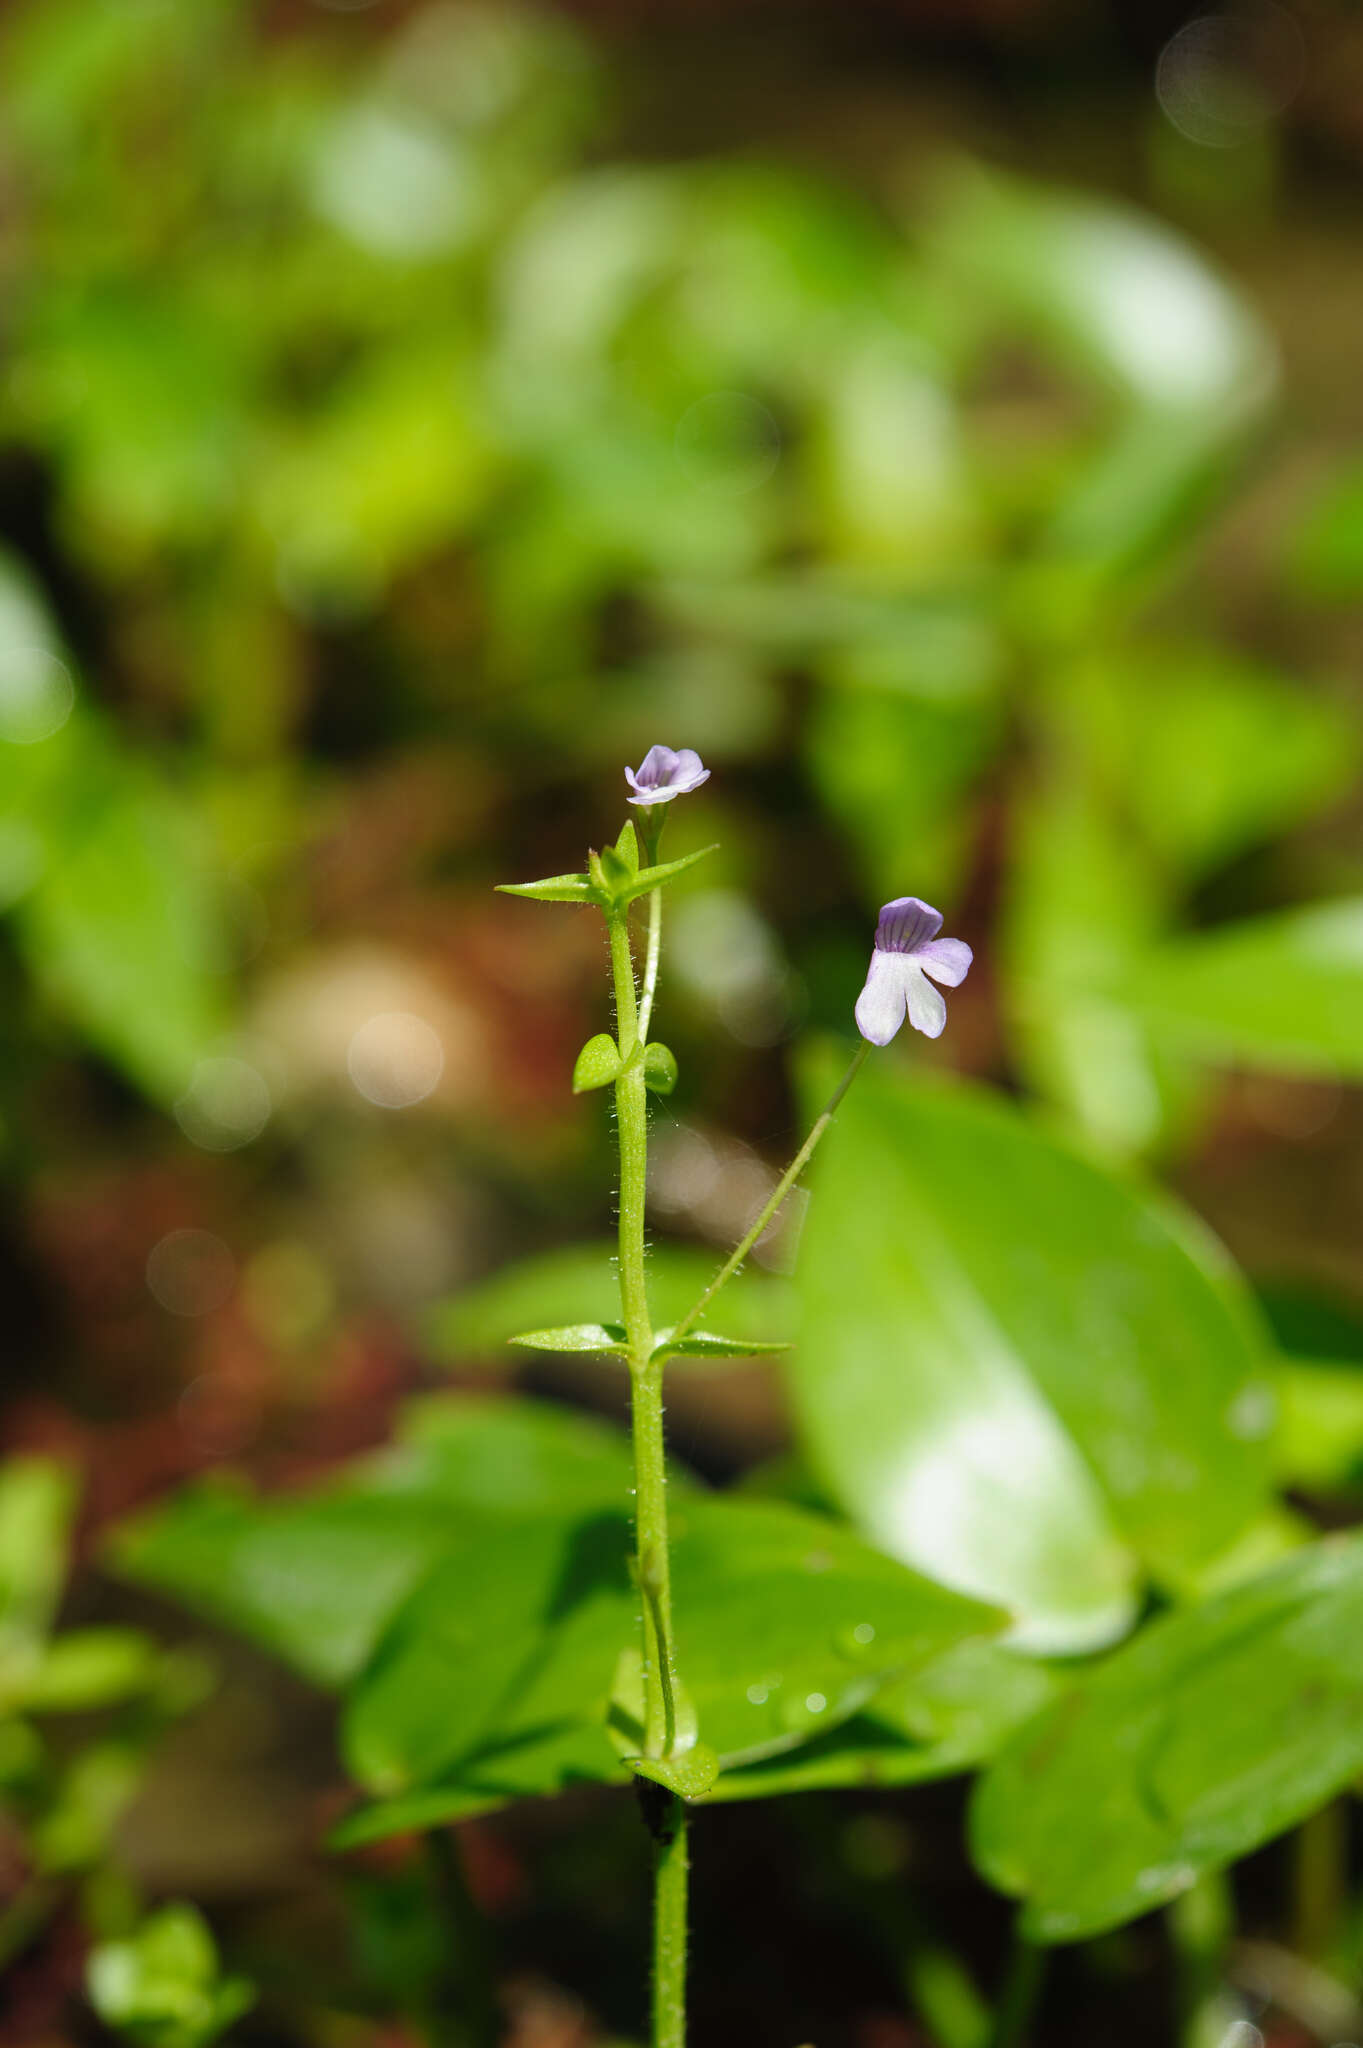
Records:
x=669, y=1930
x=775, y=1199
x=652, y=1562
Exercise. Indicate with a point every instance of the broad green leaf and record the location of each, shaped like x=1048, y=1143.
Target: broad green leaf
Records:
x=506, y=1458
x=709, y=1344
x=411, y=1813
x=1083, y=900
x=660, y=1068
x=315, y=1577
x=1319, y=1444
x=1327, y=552
x=948, y=1718
x=498, y=1673
x=575, y=1337
x=1018, y=1372
x=598, y=1063
x=1213, y=1731
x=554, y=889
x=120, y=920
x=1215, y=753
x=580, y=1281
x=1283, y=992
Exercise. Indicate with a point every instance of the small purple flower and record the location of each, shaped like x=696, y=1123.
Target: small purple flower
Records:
x=663, y=774
x=907, y=950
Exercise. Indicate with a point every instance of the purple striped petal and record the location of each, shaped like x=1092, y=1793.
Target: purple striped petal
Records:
x=906, y=924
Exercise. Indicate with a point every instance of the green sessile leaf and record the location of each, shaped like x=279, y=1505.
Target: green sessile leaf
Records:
x=709, y=1344
x=575, y=1337
x=555, y=889
x=660, y=1068
x=659, y=877
x=598, y=1064
x=689, y=1775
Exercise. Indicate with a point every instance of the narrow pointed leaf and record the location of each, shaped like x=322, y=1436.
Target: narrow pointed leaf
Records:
x=554, y=889
x=598, y=1064
x=657, y=878
x=617, y=871
x=660, y=1068
x=627, y=847
x=574, y=1337
x=709, y=1344
x=568, y=1283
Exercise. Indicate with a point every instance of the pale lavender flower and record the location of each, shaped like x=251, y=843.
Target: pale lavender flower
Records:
x=907, y=950
x=664, y=773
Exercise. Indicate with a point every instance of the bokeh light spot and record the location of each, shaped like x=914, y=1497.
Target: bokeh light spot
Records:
x=190, y=1272
x=1224, y=77
x=396, y=1059
x=226, y=1104
x=37, y=695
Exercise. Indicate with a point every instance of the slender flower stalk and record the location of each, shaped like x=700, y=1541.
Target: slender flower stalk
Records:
x=651, y=958
x=776, y=1197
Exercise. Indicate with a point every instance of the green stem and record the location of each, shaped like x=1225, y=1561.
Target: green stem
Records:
x=1020, y=1995
x=1320, y=1867
x=775, y=1199
x=1201, y=1922
x=631, y=1115
x=669, y=1930
x=652, y=1561
x=466, y=2015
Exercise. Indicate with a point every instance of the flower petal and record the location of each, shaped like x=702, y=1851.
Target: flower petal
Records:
x=927, y=1006
x=653, y=796
x=906, y=924
x=688, y=771
x=881, y=1004
x=666, y=772
x=946, y=960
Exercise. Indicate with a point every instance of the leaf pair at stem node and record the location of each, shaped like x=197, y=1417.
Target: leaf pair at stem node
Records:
x=600, y=1062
